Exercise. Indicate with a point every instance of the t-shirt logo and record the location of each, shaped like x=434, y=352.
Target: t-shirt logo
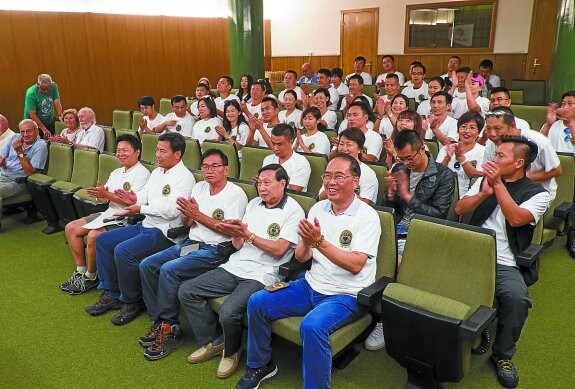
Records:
x=166, y=190
x=345, y=238
x=292, y=125
x=179, y=127
x=274, y=230
x=127, y=186
x=218, y=214
x=473, y=163
x=207, y=129
x=311, y=146
x=256, y=115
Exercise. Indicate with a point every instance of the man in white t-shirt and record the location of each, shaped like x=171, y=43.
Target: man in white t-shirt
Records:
x=546, y=165
x=500, y=98
x=388, y=62
x=510, y=204
x=265, y=239
x=338, y=84
x=560, y=124
x=290, y=83
x=358, y=66
x=119, y=251
x=418, y=88
x=340, y=237
x=212, y=200
x=90, y=135
x=465, y=94
x=258, y=91
x=225, y=85
x=357, y=117
x=5, y=131
x=491, y=80
x=261, y=128
x=355, y=84
x=179, y=120
x=452, y=65
x=442, y=126
x=151, y=117
x=390, y=87
x=201, y=91
x=296, y=165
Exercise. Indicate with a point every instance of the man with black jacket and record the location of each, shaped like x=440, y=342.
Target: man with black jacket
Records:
x=509, y=203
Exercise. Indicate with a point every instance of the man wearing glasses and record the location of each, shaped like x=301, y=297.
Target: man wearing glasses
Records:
x=213, y=200
x=23, y=155
x=545, y=167
x=39, y=104
x=500, y=98
x=418, y=88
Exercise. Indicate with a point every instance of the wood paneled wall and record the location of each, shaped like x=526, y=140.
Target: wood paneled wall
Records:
x=507, y=66
x=107, y=61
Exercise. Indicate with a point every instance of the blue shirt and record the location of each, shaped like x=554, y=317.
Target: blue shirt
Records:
x=36, y=153
x=304, y=80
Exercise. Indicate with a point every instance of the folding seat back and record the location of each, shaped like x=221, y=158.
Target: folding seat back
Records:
x=451, y=215
x=369, y=90
x=339, y=116
x=305, y=199
x=122, y=119
x=433, y=147
x=380, y=172
x=249, y=187
x=534, y=91
x=136, y=116
x=229, y=149
x=165, y=106
x=533, y=114
x=318, y=163
x=193, y=154
x=330, y=134
x=252, y=159
x=59, y=127
x=198, y=176
x=110, y=139
x=517, y=96
x=126, y=131
x=149, y=143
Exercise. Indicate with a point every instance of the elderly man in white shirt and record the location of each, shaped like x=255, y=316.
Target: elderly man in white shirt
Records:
x=90, y=136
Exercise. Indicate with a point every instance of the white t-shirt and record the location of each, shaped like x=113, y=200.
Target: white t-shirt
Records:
x=366, y=78
x=356, y=229
x=5, y=136
x=294, y=119
x=206, y=129
x=93, y=136
x=416, y=94
x=537, y=205
x=220, y=102
x=385, y=127
x=373, y=143
x=230, y=203
x=448, y=128
x=280, y=222
x=546, y=159
x=333, y=98
x=317, y=143
x=381, y=78
x=297, y=168
x=194, y=109
x=133, y=179
x=241, y=135
x=342, y=90
x=330, y=118
x=522, y=124
x=344, y=102
x=158, y=197
x=256, y=110
x=297, y=91
x=424, y=108
x=184, y=126
x=260, y=139
x=459, y=105
x=557, y=138
x=343, y=125
x=368, y=184
x=474, y=156
x=71, y=136
x=153, y=123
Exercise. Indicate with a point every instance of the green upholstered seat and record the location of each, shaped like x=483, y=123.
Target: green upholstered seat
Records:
x=534, y=91
x=60, y=162
x=248, y=186
x=107, y=162
x=149, y=143
x=517, y=96
x=433, y=147
x=229, y=149
x=339, y=116
x=304, y=199
x=136, y=116
x=59, y=127
x=380, y=172
x=122, y=119
x=330, y=134
x=110, y=138
x=193, y=154
x=252, y=159
x=318, y=163
x=533, y=114
x=126, y=131
x=165, y=106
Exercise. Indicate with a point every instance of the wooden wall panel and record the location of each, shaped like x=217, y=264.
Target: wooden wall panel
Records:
x=107, y=61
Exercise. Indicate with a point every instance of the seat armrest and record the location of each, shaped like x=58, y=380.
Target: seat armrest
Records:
x=175, y=232
x=135, y=219
x=372, y=294
x=293, y=267
x=529, y=255
x=562, y=210
x=477, y=322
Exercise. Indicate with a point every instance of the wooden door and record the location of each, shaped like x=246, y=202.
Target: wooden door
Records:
x=542, y=39
x=359, y=29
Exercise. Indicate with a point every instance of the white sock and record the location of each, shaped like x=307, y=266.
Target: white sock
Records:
x=81, y=269
x=90, y=275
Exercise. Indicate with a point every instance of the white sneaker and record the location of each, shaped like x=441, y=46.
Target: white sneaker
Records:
x=375, y=340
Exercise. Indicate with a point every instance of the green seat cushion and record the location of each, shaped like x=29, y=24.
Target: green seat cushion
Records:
x=41, y=178
x=66, y=186
x=217, y=303
x=83, y=195
x=428, y=301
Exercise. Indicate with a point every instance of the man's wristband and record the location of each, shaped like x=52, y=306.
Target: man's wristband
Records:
x=464, y=162
x=318, y=243
x=250, y=239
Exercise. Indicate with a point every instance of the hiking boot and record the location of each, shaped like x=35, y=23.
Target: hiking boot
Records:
x=205, y=353
x=169, y=338
x=506, y=372
x=128, y=312
x=104, y=304
x=147, y=340
x=254, y=377
x=82, y=284
x=229, y=365
x=571, y=241
x=64, y=285
x=375, y=340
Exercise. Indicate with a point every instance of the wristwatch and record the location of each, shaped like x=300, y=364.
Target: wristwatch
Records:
x=21, y=155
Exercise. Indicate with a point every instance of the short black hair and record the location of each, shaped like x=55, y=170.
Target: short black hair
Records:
x=448, y=97
x=281, y=173
x=229, y=80
x=360, y=58
x=388, y=56
x=355, y=135
x=392, y=75
x=219, y=152
x=337, y=72
x=176, y=140
x=419, y=65
x=456, y=56
x=353, y=164
x=284, y=129
x=178, y=98
x=146, y=101
x=438, y=79
x=132, y=140
x=364, y=107
x=205, y=86
x=570, y=93
x=486, y=63
x=463, y=69
x=292, y=72
x=528, y=148
x=325, y=72
x=325, y=91
x=289, y=92
x=501, y=89
x=469, y=116
x=408, y=137
x=357, y=77
x=272, y=100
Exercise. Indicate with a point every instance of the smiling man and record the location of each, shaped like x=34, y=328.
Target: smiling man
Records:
x=39, y=104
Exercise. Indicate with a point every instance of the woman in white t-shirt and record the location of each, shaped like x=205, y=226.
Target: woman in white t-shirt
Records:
x=205, y=128
x=245, y=88
x=387, y=114
x=465, y=156
x=313, y=141
x=328, y=118
x=68, y=135
x=291, y=115
x=406, y=120
x=235, y=128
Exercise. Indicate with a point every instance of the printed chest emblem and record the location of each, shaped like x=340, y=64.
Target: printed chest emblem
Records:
x=274, y=230
x=345, y=238
x=166, y=190
x=218, y=214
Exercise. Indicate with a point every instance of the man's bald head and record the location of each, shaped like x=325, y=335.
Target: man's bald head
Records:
x=3, y=124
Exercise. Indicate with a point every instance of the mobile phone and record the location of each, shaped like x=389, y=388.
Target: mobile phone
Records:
x=276, y=286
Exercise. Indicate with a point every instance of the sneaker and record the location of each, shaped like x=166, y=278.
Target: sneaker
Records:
x=375, y=340
x=205, y=353
x=128, y=312
x=229, y=365
x=170, y=337
x=82, y=284
x=104, y=304
x=506, y=372
x=571, y=241
x=150, y=337
x=254, y=377
x=64, y=285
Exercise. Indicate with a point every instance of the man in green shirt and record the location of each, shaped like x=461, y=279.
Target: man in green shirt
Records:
x=40, y=102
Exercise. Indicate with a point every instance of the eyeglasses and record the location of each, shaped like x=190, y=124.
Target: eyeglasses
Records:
x=410, y=159
x=31, y=131
x=338, y=178
x=567, y=133
x=417, y=73
x=497, y=114
x=498, y=100
x=211, y=167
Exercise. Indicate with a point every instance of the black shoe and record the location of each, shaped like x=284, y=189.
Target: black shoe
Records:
x=571, y=241
x=254, y=377
x=506, y=372
x=64, y=285
x=82, y=284
x=150, y=337
x=105, y=303
x=128, y=312
x=169, y=338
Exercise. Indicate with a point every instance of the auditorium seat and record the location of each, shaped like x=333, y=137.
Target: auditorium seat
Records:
x=229, y=149
x=318, y=163
x=126, y=131
x=252, y=159
x=149, y=143
x=136, y=116
x=193, y=154
x=121, y=119
x=517, y=96
x=330, y=134
x=534, y=91
x=249, y=187
x=305, y=199
x=433, y=147
x=110, y=139
x=381, y=172
x=59, y=127
x=339, y=116
x=165, y=106
x=534, y=115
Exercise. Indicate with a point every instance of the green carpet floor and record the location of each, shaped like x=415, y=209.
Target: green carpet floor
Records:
x=50, y=342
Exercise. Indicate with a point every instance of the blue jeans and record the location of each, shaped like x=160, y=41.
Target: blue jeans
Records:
x=163, y=273
x=323, y=315
x=118, y=254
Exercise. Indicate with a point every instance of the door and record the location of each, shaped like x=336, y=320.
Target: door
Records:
x=542, y=39
x=359, y=29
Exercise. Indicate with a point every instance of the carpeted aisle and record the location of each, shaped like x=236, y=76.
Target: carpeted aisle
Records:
x=50, y=342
